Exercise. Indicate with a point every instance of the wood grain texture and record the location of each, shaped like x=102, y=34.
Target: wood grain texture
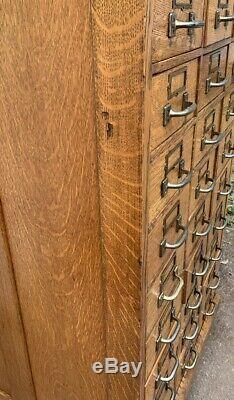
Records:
x=18, y=380
x=210, y=61
x=164, y=47
x=160, y=98
x=213, y=35
x=49, y=192
x=118, y=34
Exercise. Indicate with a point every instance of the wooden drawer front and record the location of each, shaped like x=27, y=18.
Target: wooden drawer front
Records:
x=207, y=132
x=199, y=226
x=166, y=329
x=212, y=281
x=203, y=181
x=213, y=76
x=225, y=152
x=217, y=26
x=191, y=329
x=167, y=40
x=214, y=248
x=210, y=304
x=219, y=221
x=228, y=111
x=223, y=188
x=165, y=369
x=173, y=91
x=198, y=266
x=170, y=169
x=230, y=66
x=189, y=357
x=166, y=290
x=167, y=234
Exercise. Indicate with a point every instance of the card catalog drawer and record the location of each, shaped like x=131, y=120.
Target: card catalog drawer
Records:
x=213, y=76
x=207, y=132
x=167, y=234
x=177, y=27
x=219, y=20
x=173, y=101
x=228, y=111
x=170, y=170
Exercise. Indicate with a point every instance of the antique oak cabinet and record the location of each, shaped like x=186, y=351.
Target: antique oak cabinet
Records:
x=116, y=147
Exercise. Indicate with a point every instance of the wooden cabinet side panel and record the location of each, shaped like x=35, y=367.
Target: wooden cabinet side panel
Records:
x=12, y=340
x=50, y=192
x=118, y=36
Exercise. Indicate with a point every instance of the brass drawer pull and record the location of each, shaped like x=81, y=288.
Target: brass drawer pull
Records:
x=214, y=287
x=219, y=84
x=229, y=114
x=209, y=189
x=165, y=245
x=209, y=314
x=177, y=291
x=172, y=390
x=222, y=227
x=167, y=185
x=173, y=337
x=229, y=155
x=206, y=232
x=174, y=370
x=188, y=108
x=226, y=193
x=198, y=303
x=219, y=256
x=192, y=366
x=175, y=24
x=219, y=19
x=205, y=270
x=220, y=136
x=195, y=333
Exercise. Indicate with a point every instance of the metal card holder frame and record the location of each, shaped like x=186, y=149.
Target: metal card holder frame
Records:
x=202, y=175
x=223, y=5
x=199, y=217
x=181, y=89
x=183, y=5
x=179, y=161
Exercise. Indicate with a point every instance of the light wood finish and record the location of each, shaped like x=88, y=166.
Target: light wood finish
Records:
x=207, y=129
x=203, y=179
x=230, y=64
x=168, y=157
x=50, y=193
x=118, y=43
x=164, y=47
x=165, y=65
x=228, y=107
x=5, y=396
x=224, y=149
x=183, y=76
x=16, y=379
x=166, y=228
x=212, y=34
x=89, y=240
x=167, y=282
x=199, y=223
x=212, y=64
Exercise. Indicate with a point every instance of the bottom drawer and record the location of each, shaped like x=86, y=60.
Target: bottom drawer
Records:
x=163, y=377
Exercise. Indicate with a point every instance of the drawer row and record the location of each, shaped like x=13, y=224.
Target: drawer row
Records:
x=180, y=26
x=182, y=296
x=179, y=94
x=187, y=216
x=180, y=356
x=185, y=156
